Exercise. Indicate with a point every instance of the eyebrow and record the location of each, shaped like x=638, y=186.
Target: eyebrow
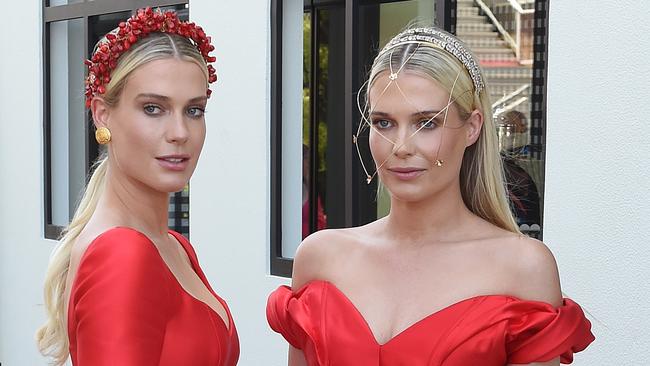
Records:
x=421, y=113
x=166, y=98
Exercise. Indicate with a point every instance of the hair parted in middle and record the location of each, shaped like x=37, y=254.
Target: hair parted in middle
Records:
x=443, y=58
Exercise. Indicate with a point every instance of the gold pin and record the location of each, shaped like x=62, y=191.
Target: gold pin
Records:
x=439, y=162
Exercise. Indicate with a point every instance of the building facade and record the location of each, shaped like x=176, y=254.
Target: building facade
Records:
x=280, y=123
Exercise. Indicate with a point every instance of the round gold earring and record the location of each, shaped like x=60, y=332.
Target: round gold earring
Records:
x=103, y=135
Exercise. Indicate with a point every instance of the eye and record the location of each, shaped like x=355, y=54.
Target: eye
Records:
x=427, y=124
x=195, y=112
x=382, y=124
x=152, y=109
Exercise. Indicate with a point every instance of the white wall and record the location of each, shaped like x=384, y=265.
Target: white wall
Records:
x=597, y=176
x=229, y=199
x=597, y=197
x=23, y=252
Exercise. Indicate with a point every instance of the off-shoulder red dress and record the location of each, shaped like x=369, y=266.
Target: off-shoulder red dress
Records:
x=126, y=308
x=492, y=330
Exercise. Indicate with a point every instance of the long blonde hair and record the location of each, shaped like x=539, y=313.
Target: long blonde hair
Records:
x=52, y=337
x=482, y=181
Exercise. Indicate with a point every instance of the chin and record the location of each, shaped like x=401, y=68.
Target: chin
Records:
x=407, y=194
x=170, y=185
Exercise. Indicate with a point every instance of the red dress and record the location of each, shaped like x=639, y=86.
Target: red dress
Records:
x=491, y=330
x=127, y=308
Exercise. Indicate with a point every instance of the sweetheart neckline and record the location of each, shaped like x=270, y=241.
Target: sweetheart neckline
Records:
x=413, y=325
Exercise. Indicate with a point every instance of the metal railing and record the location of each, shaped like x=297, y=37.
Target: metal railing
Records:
x=504, y=104
x=514, y=23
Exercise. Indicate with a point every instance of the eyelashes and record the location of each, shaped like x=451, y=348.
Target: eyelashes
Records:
x=195, y=112
x=424, y=124
x=381, y=124
x=155, y=110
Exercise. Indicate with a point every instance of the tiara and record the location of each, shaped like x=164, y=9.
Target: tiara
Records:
x=118, y=41
x=443, y=40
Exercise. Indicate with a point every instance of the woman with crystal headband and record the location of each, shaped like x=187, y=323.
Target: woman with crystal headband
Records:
x=446, y=278
x=121, y=288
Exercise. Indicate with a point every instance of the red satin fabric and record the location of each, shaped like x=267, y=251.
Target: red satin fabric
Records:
x=492, y=330
x=127, y=308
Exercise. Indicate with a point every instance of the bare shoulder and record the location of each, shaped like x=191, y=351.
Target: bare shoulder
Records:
x=534, y=270
x=316, y=254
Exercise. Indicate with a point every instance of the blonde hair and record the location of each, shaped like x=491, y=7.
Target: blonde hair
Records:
x=52, y=337
x=482, y=181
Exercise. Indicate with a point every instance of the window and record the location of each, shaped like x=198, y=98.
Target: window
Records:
x=316, y=179
x=502, y=35
x=71, y=30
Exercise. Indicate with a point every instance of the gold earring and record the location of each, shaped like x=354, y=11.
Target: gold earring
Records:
x=103, y=135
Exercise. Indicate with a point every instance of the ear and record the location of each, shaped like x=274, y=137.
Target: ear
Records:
x=100, y=112
x=473, y=126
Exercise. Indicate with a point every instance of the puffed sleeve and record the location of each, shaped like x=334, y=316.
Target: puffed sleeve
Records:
x=538, y=332
x=119, y=302
x=297, y=316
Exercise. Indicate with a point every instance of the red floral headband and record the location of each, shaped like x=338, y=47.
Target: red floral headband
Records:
x=104, y=60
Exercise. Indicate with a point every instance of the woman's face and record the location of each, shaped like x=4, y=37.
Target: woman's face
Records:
x=158, y=125
x=409, y=135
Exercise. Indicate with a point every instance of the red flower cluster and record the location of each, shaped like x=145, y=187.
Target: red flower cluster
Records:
x=104, y=60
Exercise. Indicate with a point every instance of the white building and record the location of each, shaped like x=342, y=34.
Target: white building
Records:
x=587, y=122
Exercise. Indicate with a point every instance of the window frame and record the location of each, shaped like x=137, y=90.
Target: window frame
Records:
x=353, y=212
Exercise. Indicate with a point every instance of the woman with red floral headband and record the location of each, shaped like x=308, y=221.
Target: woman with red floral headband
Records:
x=121, y=288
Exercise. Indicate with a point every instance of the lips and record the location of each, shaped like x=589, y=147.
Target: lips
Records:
x=174, y=162
x=406, y=173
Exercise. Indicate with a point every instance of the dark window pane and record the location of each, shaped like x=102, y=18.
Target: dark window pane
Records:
x=507, y=60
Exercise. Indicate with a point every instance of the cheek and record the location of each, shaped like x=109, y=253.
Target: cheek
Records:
x=379, y=147
x=201, y=132
x=135, y=137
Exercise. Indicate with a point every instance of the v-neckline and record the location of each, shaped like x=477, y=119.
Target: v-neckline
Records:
x=411, y=326
x=195, y=267
x=229, y=324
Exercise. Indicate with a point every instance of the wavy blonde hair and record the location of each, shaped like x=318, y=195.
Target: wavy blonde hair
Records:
x=482, y=181
x=52, y=337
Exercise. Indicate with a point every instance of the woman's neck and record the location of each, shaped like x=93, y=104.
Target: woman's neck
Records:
x=440, y=217
x=134, y=204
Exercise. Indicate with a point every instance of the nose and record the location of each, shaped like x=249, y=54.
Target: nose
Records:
x=403, y=145
x=177, y=131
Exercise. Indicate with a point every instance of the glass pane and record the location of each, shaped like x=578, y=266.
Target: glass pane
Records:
x=179, y=211
x=306, y=124
x=64, y=2
x=294, y=104
x=329, y=119
x=506, y=59
x=99, y=25
x=182, y=10
x=392, y=18
x=179, y=202
x=67, y=141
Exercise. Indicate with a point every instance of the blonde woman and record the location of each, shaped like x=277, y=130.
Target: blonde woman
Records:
x=446, y=278
x=121, y=288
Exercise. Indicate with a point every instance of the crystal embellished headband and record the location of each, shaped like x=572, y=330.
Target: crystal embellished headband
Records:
x=140, y=25
x=443, y=40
